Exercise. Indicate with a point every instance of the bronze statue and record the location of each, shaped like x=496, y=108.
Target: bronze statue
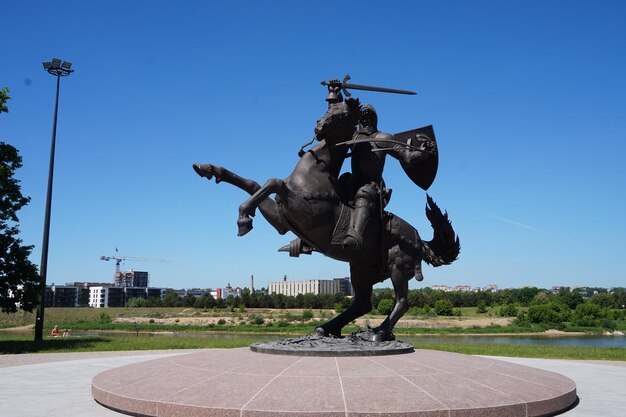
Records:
x=344, y=217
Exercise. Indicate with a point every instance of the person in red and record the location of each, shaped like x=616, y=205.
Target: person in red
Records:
x=55, y=331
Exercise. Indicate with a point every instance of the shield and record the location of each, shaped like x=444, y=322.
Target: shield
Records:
x=423, y=171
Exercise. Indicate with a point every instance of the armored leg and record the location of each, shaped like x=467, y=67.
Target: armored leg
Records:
x=360, y=217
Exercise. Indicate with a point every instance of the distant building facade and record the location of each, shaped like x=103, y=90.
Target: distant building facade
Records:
x=102, y=297
x=61, y=296
x=132, y=279
x=312, y=286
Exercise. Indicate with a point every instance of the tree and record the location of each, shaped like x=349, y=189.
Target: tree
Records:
x=444, y=308
x=385, y=306
x=19, y=279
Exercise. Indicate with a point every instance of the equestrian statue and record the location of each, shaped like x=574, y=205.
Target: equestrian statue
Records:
x=344, y=216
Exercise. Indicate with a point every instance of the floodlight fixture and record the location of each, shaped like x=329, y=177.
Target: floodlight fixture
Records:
x=58, y=68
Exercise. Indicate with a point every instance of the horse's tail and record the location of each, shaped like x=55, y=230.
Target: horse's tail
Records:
x=444, y=248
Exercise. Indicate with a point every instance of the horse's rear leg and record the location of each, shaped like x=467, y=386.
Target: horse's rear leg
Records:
x=400, y=282
x=268, y=207
x=361, y=279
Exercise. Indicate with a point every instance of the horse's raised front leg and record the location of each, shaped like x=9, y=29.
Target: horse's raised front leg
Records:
x=268, y=207
x=247, y=209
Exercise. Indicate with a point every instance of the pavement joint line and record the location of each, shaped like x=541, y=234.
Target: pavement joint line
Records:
x=266, y=385
x=343, y=393
x=412, y=383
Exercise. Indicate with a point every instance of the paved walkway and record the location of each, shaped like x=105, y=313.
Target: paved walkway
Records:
x=58, y=385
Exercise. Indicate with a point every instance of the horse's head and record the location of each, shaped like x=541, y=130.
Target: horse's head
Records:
x=339, y=121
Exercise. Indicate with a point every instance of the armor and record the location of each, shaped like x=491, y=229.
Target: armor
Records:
x=367, y=176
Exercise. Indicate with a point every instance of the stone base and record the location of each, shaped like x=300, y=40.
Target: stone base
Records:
x=241, y=383
x=353, y=345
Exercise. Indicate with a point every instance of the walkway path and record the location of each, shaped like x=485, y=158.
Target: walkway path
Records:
x=58, y=384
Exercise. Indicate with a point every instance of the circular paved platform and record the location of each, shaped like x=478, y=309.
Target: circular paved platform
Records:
x=242, y=383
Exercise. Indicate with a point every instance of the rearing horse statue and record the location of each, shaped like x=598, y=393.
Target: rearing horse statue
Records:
x=313, y=203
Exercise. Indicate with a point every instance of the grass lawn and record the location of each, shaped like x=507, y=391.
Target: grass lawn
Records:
x=24, y=344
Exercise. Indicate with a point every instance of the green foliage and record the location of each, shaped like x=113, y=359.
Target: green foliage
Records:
x=136, y=302
x=385, y=306
x=569, y=298
x=541, y=298
x=257, y=319
x=604, y=300
x=221, y=322
x=4, y=97
x=105, y=318
x=608, y=324
x=481, y=308
x=508, y=310
x=339, y=307
x=428, y=311
x=307, y=315
x=550, y=313
x=19, y=279
x=444, y=308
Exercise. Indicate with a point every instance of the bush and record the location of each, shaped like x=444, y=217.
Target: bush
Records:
x=385, y=306
x=481, y=308
x=427, y=311
x=151, y=321
x=413, y=311
x=550, y=313
x=282, y=323
x=339, y=308
x=508, y=310
x=307, y=315
x=608, y=324
x=258, y=319
x=457, y=312
x=221, y=322
x=444, y=308
x=105, y=318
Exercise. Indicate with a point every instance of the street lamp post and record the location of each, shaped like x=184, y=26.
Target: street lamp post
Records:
x=59, y=69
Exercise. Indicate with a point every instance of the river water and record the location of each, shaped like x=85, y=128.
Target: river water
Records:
x=587, y=340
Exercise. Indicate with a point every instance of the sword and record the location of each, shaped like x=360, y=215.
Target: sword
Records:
x=383, y=140
x=344, y=85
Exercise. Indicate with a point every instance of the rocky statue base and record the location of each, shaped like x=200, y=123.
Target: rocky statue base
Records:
x=356, y=344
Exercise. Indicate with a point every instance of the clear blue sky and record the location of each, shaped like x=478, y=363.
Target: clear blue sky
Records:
x=528, y=100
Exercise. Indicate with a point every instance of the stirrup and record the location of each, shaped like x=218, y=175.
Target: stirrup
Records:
x=352, y=240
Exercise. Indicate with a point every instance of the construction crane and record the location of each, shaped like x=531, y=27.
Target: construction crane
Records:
x=119, y=279
x=119, y=259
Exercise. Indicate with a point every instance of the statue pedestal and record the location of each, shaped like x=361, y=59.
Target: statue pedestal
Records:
x=240, y=382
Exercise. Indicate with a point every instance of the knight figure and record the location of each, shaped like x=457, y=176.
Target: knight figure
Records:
x=369, y=149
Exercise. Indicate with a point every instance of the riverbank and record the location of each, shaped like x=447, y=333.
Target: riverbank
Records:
x=13, y=344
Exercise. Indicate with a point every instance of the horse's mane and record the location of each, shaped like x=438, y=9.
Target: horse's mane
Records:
x=354, y=107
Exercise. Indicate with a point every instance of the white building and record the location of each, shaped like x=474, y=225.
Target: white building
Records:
x=314, y=286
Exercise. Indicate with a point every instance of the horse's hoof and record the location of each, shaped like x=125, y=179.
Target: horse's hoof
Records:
x=319, y=332
x=204, y=170
x=383, y=336
x=245, y=225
